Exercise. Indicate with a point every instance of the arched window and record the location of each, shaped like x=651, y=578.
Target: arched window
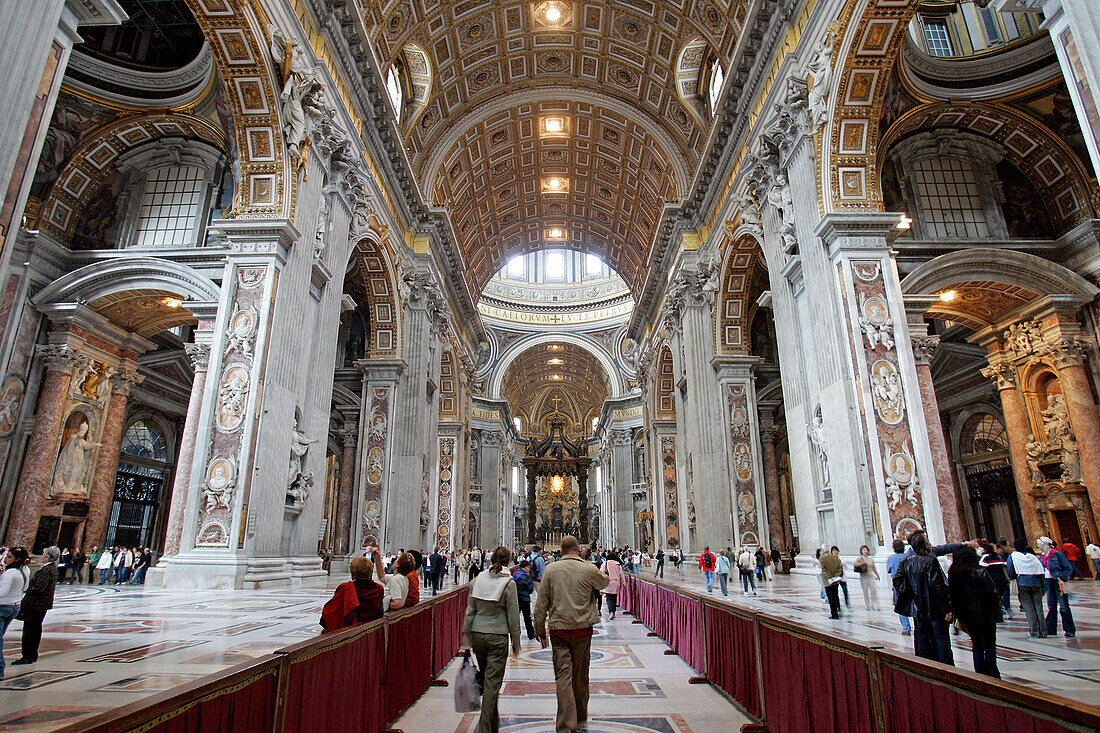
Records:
x=145, y=442
x=982, y=434
x=396, y=90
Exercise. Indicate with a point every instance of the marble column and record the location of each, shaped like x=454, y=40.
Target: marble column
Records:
x=1069, y=359
x=416, y=415
x=954, y=521
x=622, y=475
x=1016, y=425
x=777, y=522
x=531, y=480
x=381, y=378
x=346, y=491
x=38, y=460
x=491, y=500
x=199, y=354
x=101, y=493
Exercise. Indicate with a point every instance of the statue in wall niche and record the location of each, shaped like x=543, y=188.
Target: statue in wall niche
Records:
x=425, y=513
x=1071, y=460
x=1056, y=418
x=691, y=511
x=298, y=483
x=72, y=462
x=821, y=445
x=1035, y=453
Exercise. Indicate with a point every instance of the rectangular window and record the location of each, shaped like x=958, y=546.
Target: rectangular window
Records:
x=555, y=265
x=517, y=266
x=592, y=265
x=989, y=25
x=170, y=207
x=937, y=37
x=950, y=199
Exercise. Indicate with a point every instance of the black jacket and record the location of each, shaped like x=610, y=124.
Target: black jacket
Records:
x=974, y=597
x=922, y=589
x=39, y=596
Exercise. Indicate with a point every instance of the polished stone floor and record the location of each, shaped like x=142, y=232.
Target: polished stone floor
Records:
x=635, y=688
x=106, y=646
x=1068, y=667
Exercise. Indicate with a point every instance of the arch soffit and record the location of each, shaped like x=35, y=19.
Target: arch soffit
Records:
x=95, y=160
x=344, y=397
x=109, y=277
x=1049, y=163
x=518, y=348
x=741, y=256
x=1018, y=269
x=666, y=383
x=868, y=48
x=376, y=264
x=236, y=34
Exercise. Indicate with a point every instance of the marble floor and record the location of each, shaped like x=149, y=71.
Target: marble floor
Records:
x=635, y=688
x=1068, y=667
x=106, y=646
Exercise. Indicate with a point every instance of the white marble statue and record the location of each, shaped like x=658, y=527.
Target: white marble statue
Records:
x=1071, y=460
x=1056, y=418
x=1035, y=453
x=72, y=464
x=821, y=444
x=299, y=445
x=299, y=79
x=820, y=76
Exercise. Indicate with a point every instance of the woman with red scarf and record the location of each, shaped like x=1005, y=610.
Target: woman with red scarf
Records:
x=354, y=602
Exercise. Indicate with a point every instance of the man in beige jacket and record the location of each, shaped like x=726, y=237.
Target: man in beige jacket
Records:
x=568, y=596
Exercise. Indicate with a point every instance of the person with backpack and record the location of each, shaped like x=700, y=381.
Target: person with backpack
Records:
x=707, y=563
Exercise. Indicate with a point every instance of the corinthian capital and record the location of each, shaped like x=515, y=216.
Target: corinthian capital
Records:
x=124, y=380
x=199, y=354
x=924, y=348
x=64, y=358
x=1068, y=351
x=1002, y=375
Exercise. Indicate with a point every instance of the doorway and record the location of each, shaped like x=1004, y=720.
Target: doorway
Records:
x=1068, y=529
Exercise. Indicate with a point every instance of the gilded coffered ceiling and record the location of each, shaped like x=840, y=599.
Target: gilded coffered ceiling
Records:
x=980, y=304
x=144, y=312
x=533, y=385
x=633, y=128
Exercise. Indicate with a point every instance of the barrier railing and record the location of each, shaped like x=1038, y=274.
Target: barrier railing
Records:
x=357, y=679
x=792, y=678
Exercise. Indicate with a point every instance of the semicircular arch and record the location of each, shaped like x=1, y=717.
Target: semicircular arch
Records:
x=514, y=351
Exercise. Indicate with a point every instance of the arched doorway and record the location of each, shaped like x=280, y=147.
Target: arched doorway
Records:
x=144, y=469
x=987, y=472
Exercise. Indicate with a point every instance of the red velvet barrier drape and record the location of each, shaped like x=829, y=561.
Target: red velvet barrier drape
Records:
x=809, y=686
x=626, y=594
x=915, y=705
x=247, y=708
x=408, y=660
x=449, y=615
x=685, y=629
x=339, y=688
x=731, y=657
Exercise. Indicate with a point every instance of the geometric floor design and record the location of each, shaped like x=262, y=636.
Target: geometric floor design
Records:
x=635, y=688
x=106, y=646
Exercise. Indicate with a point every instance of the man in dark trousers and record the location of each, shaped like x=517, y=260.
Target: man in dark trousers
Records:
x=439, y=569
x=923, y=596
x=36, y=602
x=660, y=571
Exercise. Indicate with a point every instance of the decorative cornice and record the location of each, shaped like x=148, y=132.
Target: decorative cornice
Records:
x=63, y=358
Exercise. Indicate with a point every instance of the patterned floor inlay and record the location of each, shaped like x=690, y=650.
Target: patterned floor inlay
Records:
x=32, y=680
x=636, y=687
x=612, y=724
x=152, y=682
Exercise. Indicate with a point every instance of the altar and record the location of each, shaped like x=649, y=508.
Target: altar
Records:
x=557, y=488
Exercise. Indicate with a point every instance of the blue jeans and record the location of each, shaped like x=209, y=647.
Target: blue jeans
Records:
x=932, y=640
x=103, y=573
x=139, y=576
x=904, y=619
x=7, y=613
x=708, y=576
x=747, y=579
x=722, y=578
x=1057, y=601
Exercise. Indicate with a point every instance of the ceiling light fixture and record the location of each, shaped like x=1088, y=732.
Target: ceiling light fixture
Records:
x=556, y=360
x=948, y=296
x=171, y=302
x=554, y=347
x=553, y=13
x=556, y=233
x=554, y=183
x=555, y=124
x=556, y=377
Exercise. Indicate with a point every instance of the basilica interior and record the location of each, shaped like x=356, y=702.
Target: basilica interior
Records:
x=282, y=281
